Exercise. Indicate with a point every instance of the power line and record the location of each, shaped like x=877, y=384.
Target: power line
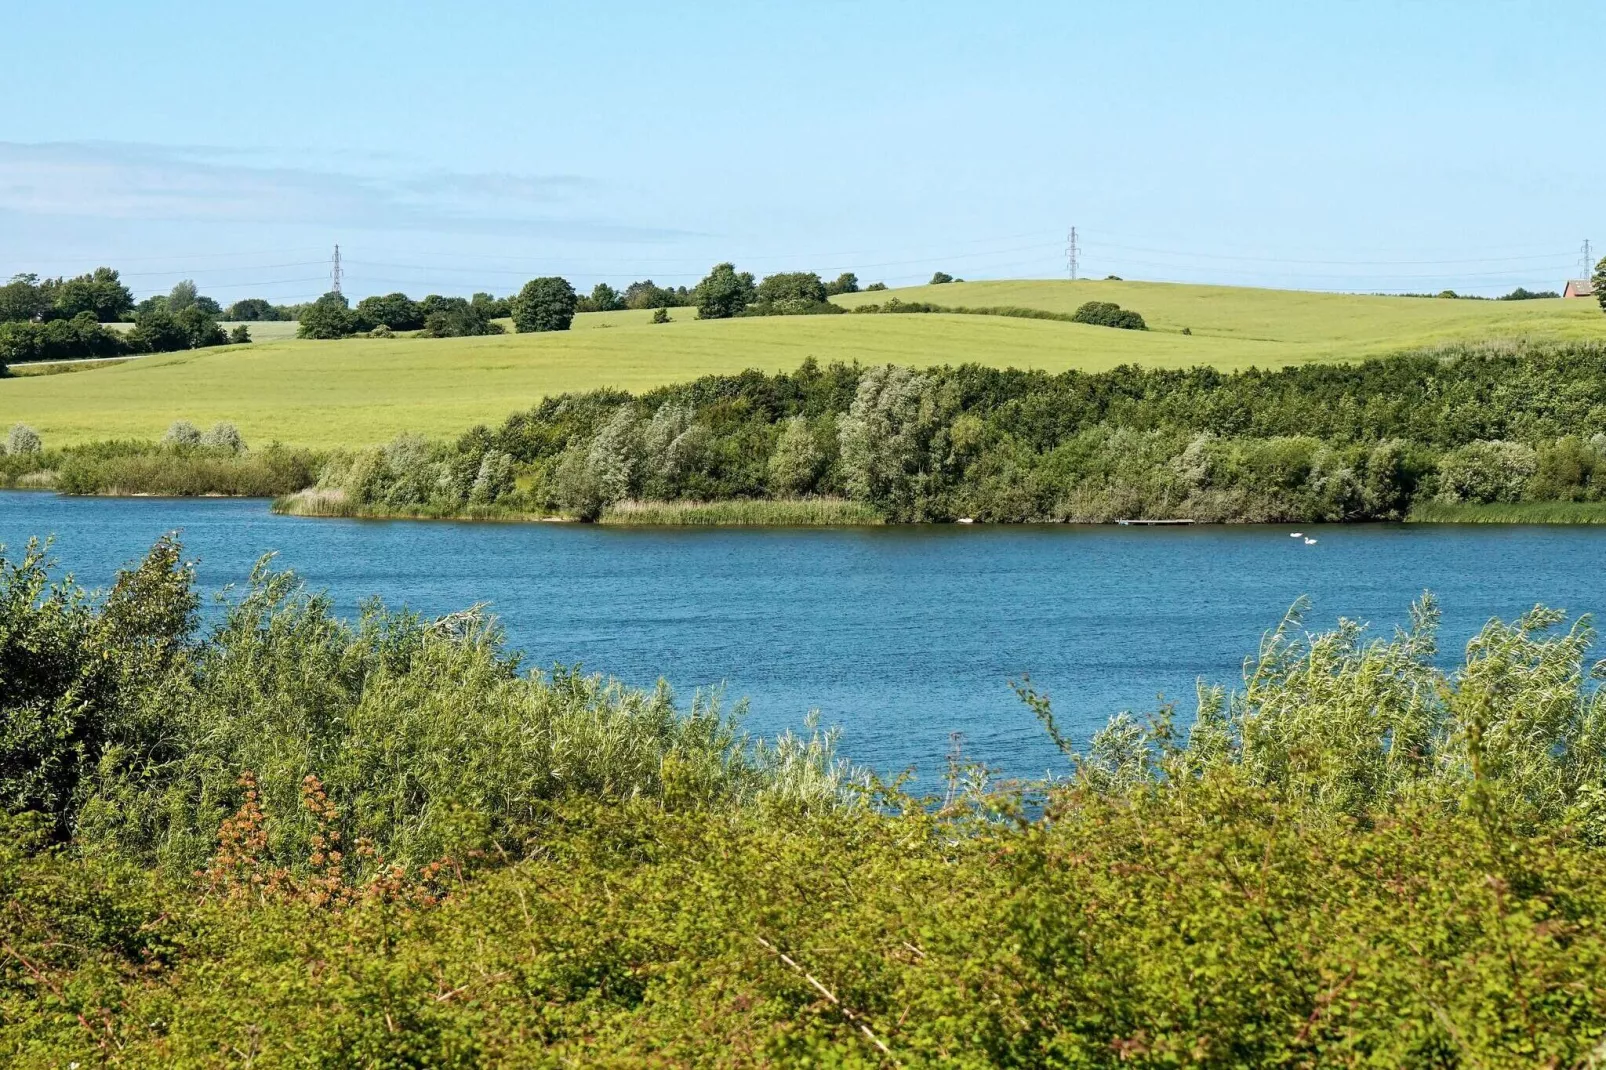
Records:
x=1070, y=253
x=1588, y=263
x=334, y=271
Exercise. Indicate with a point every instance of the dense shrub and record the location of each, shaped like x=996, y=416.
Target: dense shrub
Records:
x=255, y=309
x=799, y=293
x=100, y=295
x=383, y=842
x=209, y=464
x=330, y=316
x=647, y=294
x=60, y=339
x=23, y=439
x=845, y=283
x=396, y=311
x=724, y=292
x=544, y=304
x=603, y=298
x=453, y=317
x=1109, y=314
x=128, y=729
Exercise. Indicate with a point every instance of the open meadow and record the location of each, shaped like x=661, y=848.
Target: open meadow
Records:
x=362, y=391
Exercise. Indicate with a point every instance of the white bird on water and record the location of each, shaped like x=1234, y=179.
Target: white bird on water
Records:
x=1295, y=534
x=1310, y=542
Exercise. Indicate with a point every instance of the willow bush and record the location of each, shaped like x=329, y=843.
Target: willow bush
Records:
x=294, y=840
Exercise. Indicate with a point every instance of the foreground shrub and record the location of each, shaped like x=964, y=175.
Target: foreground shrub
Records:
x=385, y=843
x=131, y=731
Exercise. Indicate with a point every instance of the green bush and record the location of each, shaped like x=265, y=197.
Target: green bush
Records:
x=1109, y=314
x=1359, y=856
x=330, y=316
x=724, y=292
x=545, y=304
x=59, y=339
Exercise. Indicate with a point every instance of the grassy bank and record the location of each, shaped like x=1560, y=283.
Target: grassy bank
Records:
x=1433, y=512
x=361, y=392
x=291, y=838
x=136, y=468
x=745, y=512
x=333, y=503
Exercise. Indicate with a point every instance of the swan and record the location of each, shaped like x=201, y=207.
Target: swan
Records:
x=1310, y=542
x=1296, y=534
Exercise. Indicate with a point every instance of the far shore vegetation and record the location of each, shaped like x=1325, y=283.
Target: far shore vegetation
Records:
x=1493, y=433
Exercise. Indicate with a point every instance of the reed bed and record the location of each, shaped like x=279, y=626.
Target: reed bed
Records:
x=744, y=512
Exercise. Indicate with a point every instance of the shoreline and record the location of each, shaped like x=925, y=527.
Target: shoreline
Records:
x=842, y=513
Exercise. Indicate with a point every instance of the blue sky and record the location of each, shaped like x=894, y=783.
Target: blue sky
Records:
x=455, y=147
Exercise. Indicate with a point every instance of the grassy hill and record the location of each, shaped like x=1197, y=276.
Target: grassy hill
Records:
x=361, y=391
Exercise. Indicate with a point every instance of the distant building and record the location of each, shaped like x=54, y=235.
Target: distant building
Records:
x=1579, y=288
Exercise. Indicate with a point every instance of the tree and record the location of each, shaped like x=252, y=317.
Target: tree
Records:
x=799, y=287
x=453, y=317
x=240, y=335
x=100, y=293
x=396, y=311
x=940, y=277
x=254, y=309
x=544, y=304
x=797, y=461
x=605, y=298
x=1599, y=282
x=200, y=329
x=648, y=294
x=724, y=292
x=846, y=283
x=491, y=307
x=882, y=438
x=22, y=300
x=327, y=317
x=157, y=330
x=182, y=295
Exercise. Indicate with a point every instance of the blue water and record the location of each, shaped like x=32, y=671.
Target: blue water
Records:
x=900, y=636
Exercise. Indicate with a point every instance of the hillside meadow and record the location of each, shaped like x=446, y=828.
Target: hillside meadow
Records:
x=362, y=391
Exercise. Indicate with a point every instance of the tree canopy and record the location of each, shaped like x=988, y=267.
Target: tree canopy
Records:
x=544, y=304
x=724, y=292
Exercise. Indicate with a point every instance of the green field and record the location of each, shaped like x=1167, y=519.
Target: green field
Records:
x=362, y=391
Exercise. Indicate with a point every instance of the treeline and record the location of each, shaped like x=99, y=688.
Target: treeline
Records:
x=63, y=319
x=1518, y=294
x=384, y=842
x=1311, y=443
x=59, y=319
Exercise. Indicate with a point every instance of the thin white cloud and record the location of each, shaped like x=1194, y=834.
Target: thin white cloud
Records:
x=150, y=183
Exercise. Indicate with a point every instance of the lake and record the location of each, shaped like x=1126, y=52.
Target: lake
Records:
x=900, y=636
